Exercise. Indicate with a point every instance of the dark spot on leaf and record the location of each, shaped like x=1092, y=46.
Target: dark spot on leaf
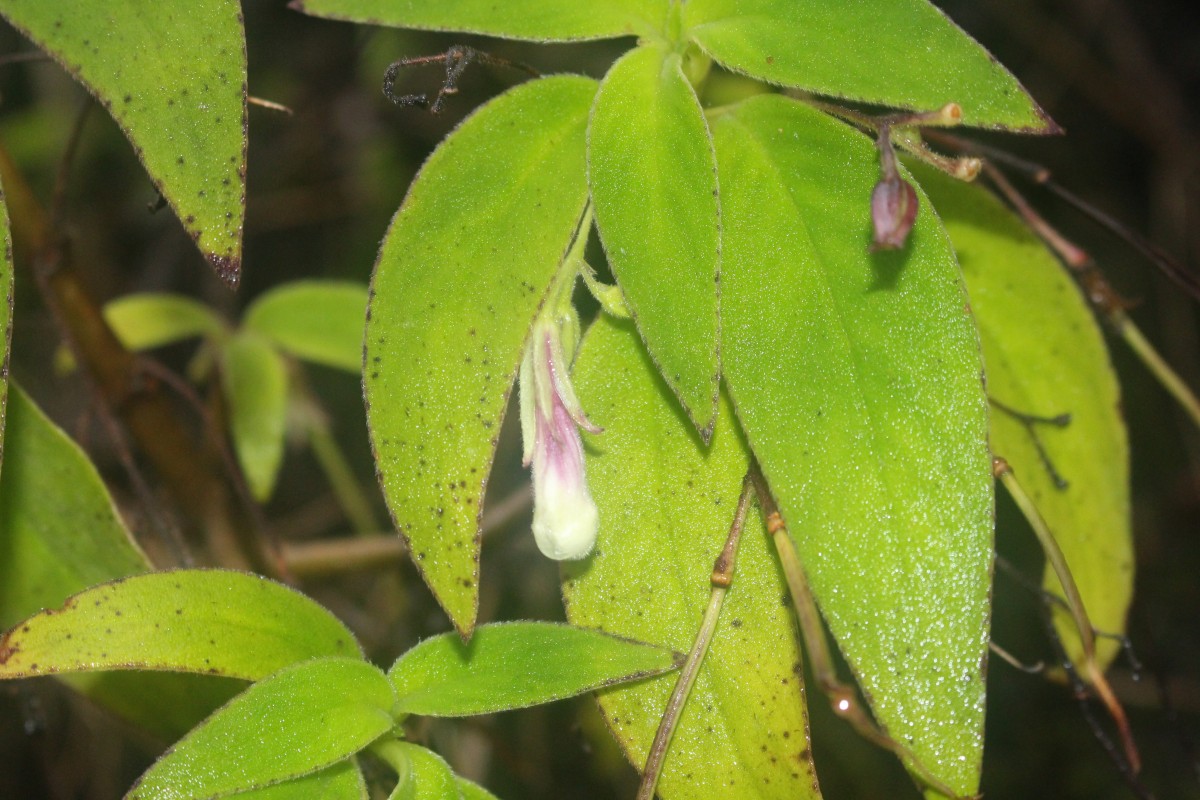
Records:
x=7, y=651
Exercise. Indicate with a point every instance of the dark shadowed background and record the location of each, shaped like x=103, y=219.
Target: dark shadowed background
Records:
x=1122, y=78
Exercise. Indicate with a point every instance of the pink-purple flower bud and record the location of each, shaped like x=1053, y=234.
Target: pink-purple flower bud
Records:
x=893, y=212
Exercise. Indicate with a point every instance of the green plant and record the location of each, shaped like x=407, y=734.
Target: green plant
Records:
x=792, y=308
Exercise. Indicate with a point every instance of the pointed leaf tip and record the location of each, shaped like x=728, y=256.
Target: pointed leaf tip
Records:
x=900, y=53
x=652, y=173
x=461, y=275
x=173, y=77
x=228, y=269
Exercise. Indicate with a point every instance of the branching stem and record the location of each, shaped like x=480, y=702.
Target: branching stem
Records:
x=842, y=697
x=1087, y=634
x=722, y=577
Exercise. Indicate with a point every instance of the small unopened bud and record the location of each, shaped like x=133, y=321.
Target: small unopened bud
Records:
x=893, y=201
x=893, y=212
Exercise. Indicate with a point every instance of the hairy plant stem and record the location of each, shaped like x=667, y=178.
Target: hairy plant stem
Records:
x=1087, y=634
x=722, y=577
x=1158, y=366
x=842, y=697
x=332, y=461
x=1103, y=298
x=898, y=126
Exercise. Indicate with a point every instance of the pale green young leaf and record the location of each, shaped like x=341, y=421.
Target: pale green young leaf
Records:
x=255, y=380
x=214, y=622
x=462, y=272
x=536, y=20
x=900, y=53
x=342, y=781
x=318, y=321
x=518, y=664
x=296, y=722
x=421, y=773
x=147, y=320
x=653, y=179
x=666, y=503
x=6, y=308
x=858, y=380
x=165, y=705
x=173, y=76
x=1045, y=355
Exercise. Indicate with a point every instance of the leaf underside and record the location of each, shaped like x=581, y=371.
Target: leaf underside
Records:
x=297, y=722
x=515, y=665
x=1045, y=355
x=49, y=493
x=255, y=381
x=536, y=20
x=342, y=781
x=318, y=321
x=216, y=622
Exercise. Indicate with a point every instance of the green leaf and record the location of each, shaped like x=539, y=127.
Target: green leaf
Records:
x=901, y=53
x=666, y=503
x=255, y=381
x=473, y=791
x=421, y=773
x=147, y=320
x=653, y=179
x=515, y=665
x=215, y=622
x=537, y=20
x=300, y=720
x=173, y=76
x=318, y=321
x=59, y=534
x=1045, y=355
x=342, y=781
x=857, y=378
x=461, y=275
x=165, y=705
x=50, y=495
x=6, y=308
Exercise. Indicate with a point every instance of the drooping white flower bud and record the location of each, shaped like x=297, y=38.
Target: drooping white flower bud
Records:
x=565, y=520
